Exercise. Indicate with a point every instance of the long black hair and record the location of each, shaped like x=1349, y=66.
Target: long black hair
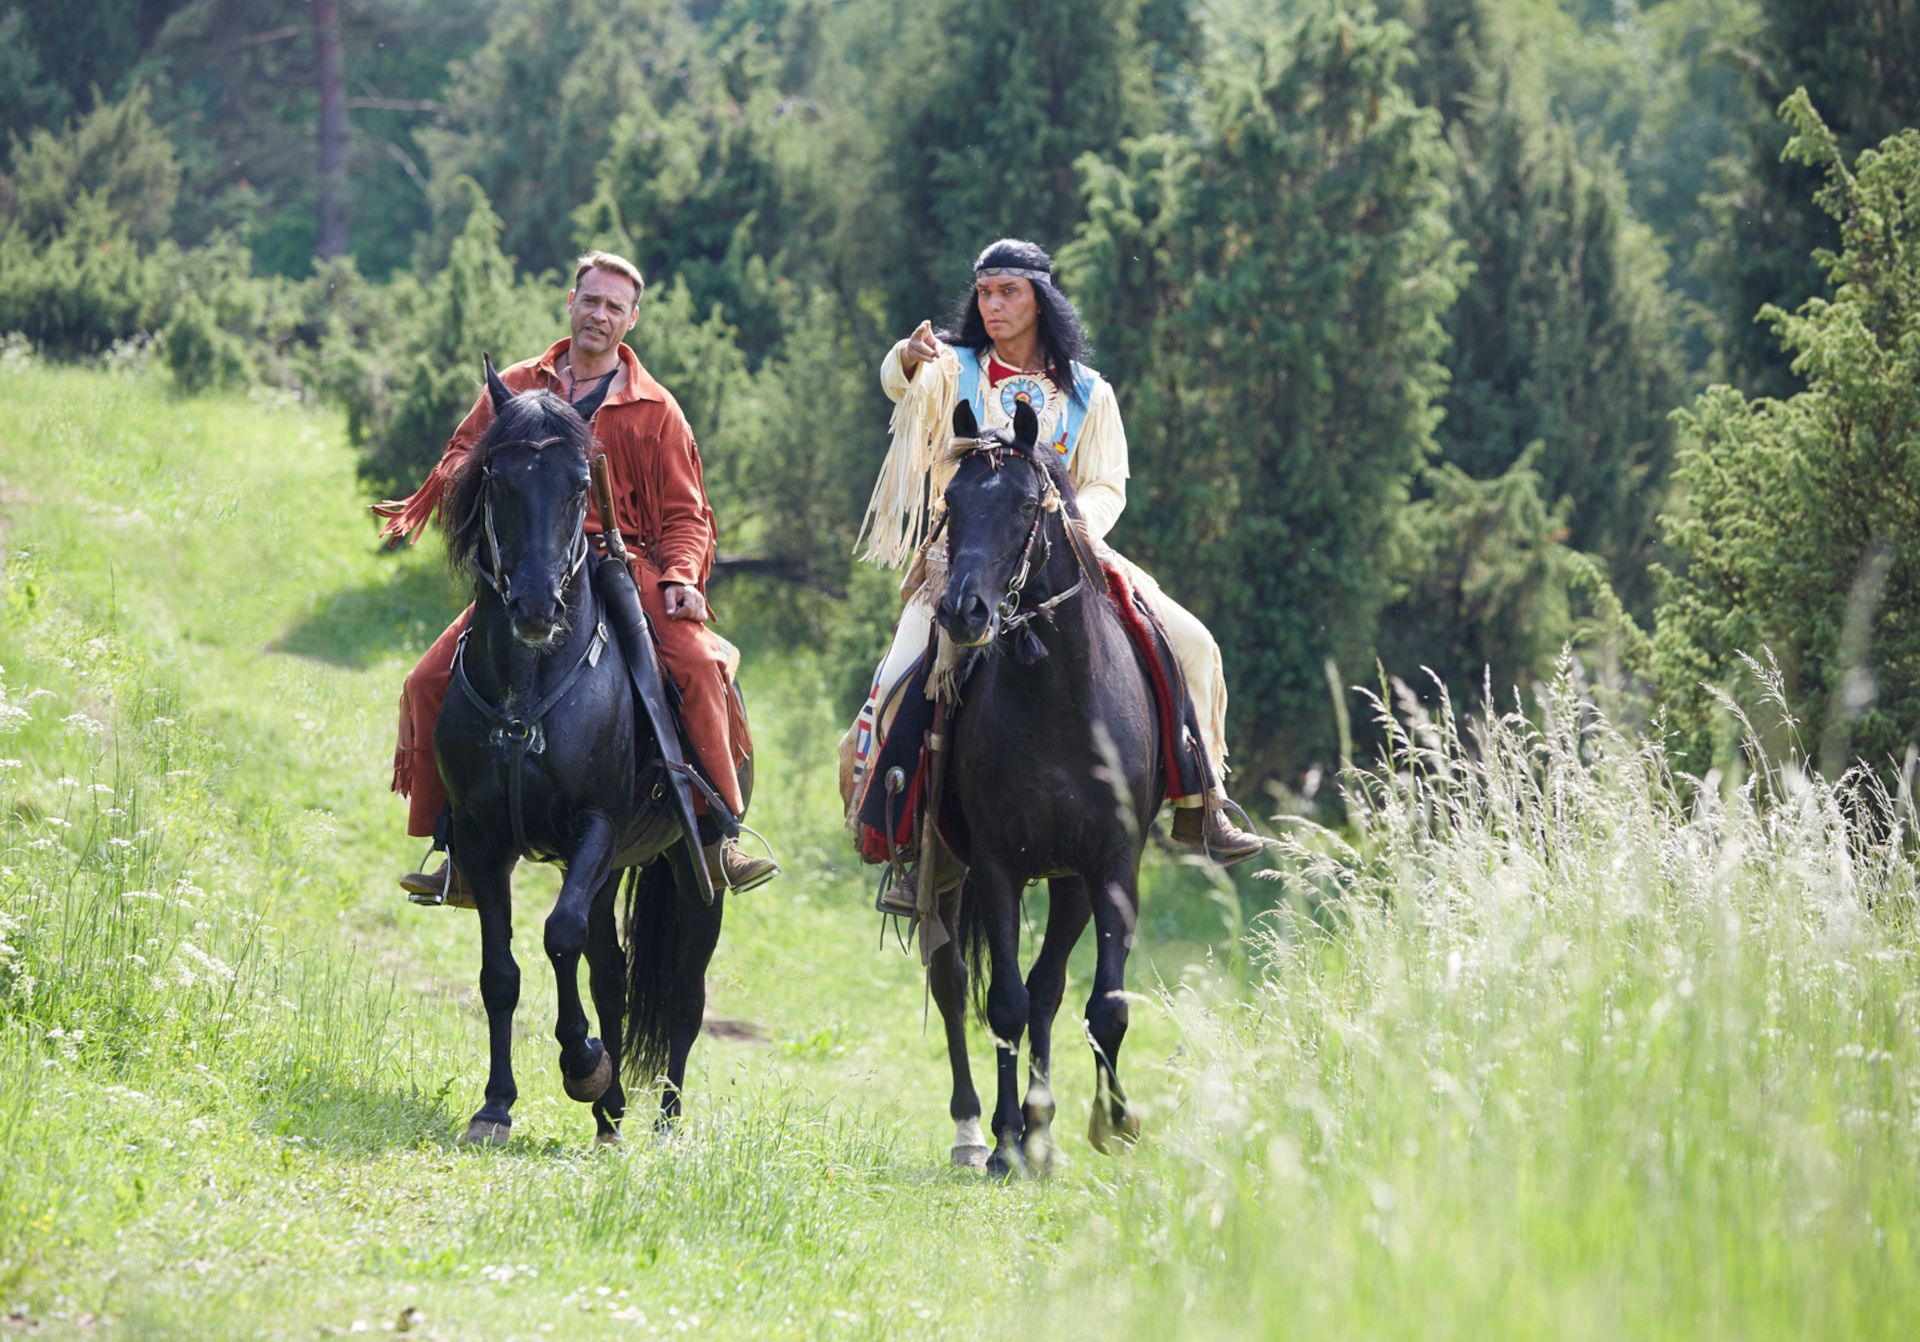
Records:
x=1063, y=337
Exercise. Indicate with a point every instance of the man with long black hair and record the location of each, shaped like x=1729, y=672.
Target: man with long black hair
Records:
x=1013, y=337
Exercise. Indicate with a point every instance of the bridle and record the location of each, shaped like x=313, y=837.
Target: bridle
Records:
x=1011, y=617
x=490, y=572
x=522, y=733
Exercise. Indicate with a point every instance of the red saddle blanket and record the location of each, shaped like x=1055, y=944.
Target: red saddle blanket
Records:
x=903, y=747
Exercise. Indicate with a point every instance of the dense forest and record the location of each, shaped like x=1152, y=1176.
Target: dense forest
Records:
x=1449, y=334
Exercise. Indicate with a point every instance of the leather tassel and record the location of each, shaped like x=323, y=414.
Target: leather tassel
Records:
x=1027, y=647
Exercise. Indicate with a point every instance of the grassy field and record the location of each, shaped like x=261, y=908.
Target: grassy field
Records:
x=1538, y=1048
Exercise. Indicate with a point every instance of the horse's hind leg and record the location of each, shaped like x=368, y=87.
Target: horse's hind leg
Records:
x=1067, y=914
x=584, y=1065
x=699, y=933
x=1116, y=911
x=607, y=974
x=947, y=977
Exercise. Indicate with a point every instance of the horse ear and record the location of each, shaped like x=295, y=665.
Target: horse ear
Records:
x=1026, y=426
x=496, y=388
x=588, y=404
x=964, y=424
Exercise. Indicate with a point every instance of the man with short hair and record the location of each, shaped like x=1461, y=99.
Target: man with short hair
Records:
x=660, y=504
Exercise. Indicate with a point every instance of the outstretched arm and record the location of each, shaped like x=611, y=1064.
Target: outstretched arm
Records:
x=905, y=358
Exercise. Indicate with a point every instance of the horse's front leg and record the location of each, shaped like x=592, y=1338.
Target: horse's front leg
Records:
x=1067, y=914
x=490, y=872
x=947, y=977
x=999, y=912
x=1116, y=912
x=584, y=1065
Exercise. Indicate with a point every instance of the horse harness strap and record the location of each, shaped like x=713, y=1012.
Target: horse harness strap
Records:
x=523, y=734
x=1011, y=616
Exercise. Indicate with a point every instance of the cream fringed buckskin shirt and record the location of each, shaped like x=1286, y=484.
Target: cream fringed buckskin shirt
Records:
x=907, y=498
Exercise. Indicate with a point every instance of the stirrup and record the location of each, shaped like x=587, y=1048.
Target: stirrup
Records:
x=427, y=897
x=755, y=883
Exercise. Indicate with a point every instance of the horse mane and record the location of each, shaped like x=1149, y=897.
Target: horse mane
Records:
x=536, y=419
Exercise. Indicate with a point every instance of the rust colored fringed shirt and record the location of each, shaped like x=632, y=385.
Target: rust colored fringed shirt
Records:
x=658, y=495
x=661, y=505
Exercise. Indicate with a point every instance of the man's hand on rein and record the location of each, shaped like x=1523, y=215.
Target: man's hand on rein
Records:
x=684, y=602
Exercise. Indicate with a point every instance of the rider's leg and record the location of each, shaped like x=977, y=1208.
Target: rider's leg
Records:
x=416, y=775
x=1203, y=821
x=697, y=659
x=700, y=663
x=889, y=681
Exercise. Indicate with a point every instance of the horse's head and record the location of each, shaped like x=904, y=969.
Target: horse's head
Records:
x=515, y=513
x=997, y=504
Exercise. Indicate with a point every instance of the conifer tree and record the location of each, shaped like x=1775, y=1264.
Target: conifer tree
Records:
x=1797, y=529
x=1268, y=300
x=988, y=123
x=1860, y=63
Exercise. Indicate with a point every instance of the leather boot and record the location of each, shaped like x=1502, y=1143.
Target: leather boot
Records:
x=730, y=868
x=1210, y=829
x=443, y=885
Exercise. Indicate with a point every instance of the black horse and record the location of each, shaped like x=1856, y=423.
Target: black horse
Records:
x=1055, y=773
x=544, y=755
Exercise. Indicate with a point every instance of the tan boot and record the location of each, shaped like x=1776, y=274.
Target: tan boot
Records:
x=729, y=868
x=1211, y=830
x=443, y=885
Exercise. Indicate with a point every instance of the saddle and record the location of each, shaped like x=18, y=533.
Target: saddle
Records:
x=900, y=778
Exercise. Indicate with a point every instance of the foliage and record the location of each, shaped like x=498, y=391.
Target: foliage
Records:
x=1268, y=300
x=411, y=390
x=116, y=152
x=1561, y=336
x=992, y=105
x=1860, y=62
x=532, y=113
x=81, y=288
x=1482, y=581
x=1797, y=521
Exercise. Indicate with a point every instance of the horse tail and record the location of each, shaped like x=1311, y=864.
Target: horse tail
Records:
x=973, y=948
x=653, y=950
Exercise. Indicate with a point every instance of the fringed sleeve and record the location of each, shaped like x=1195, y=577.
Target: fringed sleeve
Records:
x=405, y=517
x=1100, y=463
x=895, y=524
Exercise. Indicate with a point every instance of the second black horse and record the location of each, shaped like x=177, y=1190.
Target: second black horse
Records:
x=1055, y=774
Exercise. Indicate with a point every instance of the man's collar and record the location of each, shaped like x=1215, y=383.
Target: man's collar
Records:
x=640, y=385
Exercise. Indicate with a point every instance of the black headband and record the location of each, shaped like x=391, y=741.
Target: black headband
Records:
x=1019, y=272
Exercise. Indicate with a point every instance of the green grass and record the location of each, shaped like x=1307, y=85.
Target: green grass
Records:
x=1539, y=1048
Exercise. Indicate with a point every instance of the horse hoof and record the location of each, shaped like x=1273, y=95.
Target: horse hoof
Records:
x=968, y=1157
x=1109, y=1137
x=1007, y=1162
x=606, y=1139
x=1037, y=1148
x=486, y=1132
x=594, y=1084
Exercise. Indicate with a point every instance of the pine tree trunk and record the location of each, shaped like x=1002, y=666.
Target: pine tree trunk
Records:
x=329, y=76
